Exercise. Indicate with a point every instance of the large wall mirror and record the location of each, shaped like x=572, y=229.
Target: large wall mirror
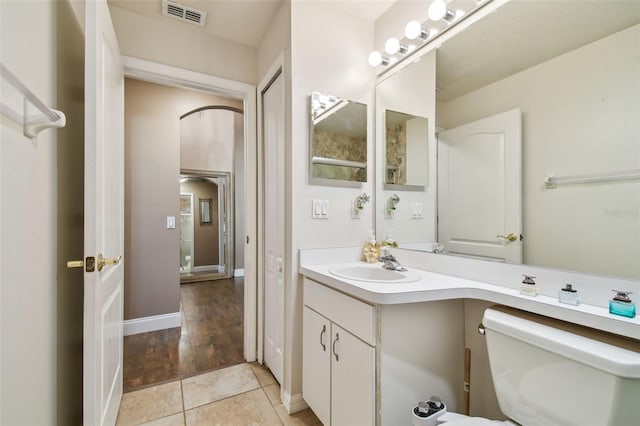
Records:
x=338, y=139
x=567, y=76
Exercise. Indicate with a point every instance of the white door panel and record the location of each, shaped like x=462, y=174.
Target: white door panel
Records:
x=479, y=188
x=274, y=225
x=104, y=218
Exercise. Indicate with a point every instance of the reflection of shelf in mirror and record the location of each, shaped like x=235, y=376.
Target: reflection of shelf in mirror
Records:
x=337, y=162
x=551, y=180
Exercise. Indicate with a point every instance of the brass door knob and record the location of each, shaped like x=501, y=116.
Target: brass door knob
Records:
x=104, y=261
x=509, y=237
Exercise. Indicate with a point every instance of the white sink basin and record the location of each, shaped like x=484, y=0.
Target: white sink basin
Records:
x=374, y=274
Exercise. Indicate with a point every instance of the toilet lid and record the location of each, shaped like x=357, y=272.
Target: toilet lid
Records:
x=471, y=421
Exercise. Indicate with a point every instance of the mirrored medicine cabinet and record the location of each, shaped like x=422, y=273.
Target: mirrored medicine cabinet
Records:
x=338, y=144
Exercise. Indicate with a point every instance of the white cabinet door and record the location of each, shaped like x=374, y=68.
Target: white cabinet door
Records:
x=316, y=364
x=352, y=379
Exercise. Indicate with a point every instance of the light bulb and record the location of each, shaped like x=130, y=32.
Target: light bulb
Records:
x=437, y=10
x=392, y=46
x=375, y=58
x=413, y=30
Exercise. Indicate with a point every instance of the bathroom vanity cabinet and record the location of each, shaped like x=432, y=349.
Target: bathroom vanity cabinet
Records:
x=368, y=364
x=339, y=356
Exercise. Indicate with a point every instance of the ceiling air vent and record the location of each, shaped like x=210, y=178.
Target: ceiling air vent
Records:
x=183, y=13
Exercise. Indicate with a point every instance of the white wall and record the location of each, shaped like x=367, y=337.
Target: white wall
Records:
x=41, y=221
x=277, y=39
x=207, y=140
x=168, y=41
x=580, y=116
x=329, y=52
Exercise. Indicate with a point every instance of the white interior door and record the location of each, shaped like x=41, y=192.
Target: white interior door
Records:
x=480, y=188
x=274, y=225
x=103, y=218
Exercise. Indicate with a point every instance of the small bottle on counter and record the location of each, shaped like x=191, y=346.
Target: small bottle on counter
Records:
x=622, y=305
x=569, y=295
x=528, y=286
x=371, y=249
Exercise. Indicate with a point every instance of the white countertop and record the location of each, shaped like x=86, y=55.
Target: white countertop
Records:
x=435, y=286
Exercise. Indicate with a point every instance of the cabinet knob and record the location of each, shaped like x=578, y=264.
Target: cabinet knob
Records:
x=334, y=346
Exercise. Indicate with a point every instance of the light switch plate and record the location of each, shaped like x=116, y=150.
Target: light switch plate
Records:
x=320, y=209
x=171, y=222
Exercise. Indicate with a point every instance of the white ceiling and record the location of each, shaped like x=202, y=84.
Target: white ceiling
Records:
x=246, y=21
x=524, y=33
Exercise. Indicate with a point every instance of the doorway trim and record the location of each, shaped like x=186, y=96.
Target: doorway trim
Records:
x=177, y=77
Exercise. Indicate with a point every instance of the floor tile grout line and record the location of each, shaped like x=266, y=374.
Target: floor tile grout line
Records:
x=222, y=399
x=184, y=412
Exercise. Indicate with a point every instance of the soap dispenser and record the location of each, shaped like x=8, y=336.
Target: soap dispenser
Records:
x=371, y=249
x=528, y=286
x=569, y=295
x=622, y=305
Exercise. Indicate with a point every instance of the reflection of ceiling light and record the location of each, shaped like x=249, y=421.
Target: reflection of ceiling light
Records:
x=376, y=58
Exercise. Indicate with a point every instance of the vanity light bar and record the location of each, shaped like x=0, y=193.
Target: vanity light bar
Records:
x=437, y=11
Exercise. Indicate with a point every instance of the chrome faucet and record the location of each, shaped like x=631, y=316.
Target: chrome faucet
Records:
x=390, y=261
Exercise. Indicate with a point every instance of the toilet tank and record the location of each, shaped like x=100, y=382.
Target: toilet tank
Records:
x=548, y=372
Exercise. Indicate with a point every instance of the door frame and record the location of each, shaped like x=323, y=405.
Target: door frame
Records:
x=167, y=75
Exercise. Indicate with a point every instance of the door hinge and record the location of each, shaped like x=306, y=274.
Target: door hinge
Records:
x=247, y=239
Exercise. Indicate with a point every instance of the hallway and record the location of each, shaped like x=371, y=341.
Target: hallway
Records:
x=211, y=337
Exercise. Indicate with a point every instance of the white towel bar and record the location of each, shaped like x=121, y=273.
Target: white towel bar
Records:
x=337, y=162
x=551, y=180
x=35, y=116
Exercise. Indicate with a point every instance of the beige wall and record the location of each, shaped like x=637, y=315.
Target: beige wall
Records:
x=152, y=173
x=182, y=45
x=41, y=223
x=580, y=116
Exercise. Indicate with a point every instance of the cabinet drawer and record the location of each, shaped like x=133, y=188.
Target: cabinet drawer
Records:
x=351, y=314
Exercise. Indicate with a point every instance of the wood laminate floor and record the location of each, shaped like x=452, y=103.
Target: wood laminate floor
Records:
x=211, y=337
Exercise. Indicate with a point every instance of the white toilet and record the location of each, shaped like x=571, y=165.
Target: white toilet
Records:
x=548, y=372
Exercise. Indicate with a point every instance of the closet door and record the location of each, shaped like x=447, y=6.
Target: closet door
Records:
x=353, y=379
x=316, y=364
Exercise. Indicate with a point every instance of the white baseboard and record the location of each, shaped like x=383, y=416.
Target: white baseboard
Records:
x=154, y=323
x=238, y=272
x=293, y=403
x=205, y=268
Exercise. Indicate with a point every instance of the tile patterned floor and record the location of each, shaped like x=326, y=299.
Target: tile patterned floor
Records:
x=244, y=394
x=211, y=337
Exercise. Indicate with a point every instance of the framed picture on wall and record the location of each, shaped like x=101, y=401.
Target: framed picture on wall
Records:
x=205, y=210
